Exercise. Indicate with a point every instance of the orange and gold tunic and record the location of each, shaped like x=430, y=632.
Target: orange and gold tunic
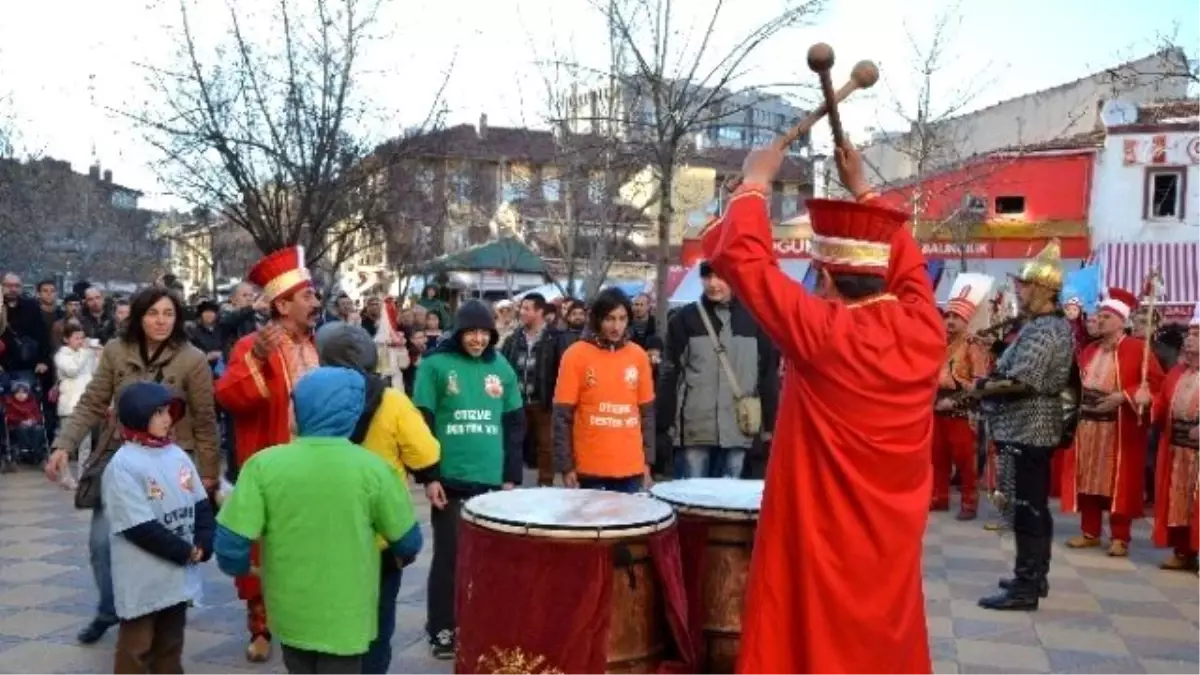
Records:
x=965, y=362
x=1185, y=411
x=1096, y=436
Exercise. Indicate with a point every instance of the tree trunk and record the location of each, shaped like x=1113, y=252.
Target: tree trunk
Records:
x=666, y=213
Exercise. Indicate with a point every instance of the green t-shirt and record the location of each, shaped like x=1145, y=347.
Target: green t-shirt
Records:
x=468, y=398
x=317, y=504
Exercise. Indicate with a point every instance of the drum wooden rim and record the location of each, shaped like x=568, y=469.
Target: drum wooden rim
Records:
x=731, y=515
x=714, y=512
x=568, y=532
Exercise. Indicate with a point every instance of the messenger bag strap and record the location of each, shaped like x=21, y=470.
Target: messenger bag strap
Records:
x=719, y=348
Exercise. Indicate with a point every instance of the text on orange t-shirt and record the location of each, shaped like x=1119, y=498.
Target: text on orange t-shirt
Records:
x=607, y=387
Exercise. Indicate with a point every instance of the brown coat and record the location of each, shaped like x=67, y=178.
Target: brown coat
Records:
x=186, y=372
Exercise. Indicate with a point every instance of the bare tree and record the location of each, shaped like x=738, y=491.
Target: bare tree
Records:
x=272, y=129
x=680, y=85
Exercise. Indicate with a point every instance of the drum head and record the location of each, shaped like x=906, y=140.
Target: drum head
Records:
x=724, y=498
x=566, y=513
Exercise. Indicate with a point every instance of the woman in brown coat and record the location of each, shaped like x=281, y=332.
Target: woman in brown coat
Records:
x=154, y=347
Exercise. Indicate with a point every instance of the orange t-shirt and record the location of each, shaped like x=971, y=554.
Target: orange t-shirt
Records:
x=606, y=387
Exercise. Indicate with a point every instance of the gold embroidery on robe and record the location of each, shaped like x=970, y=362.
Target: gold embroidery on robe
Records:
x=514, y=661
x=1095, y=441
x=1184, y=406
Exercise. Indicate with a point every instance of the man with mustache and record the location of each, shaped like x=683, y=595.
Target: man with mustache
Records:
x=256, y=389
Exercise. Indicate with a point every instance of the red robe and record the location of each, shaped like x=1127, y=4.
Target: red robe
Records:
x=258, y=396
x=1129, y=497
x=1162, y=489
x=835, y=581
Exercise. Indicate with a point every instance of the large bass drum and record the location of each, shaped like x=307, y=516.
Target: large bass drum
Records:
x=560, y=525
x=719, y=517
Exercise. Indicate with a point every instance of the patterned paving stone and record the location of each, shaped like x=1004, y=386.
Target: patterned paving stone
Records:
x=1103, y=614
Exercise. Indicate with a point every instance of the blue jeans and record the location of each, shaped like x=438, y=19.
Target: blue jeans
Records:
x=630, y=485
x=710, y=461
x=100, y=552
x=378, y=658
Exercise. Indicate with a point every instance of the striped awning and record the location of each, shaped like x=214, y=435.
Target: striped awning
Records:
x=1126, y=265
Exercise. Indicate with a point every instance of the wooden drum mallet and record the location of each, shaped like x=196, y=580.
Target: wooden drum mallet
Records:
x=864, y=76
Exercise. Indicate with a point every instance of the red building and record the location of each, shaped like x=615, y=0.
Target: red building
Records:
x=988, y=215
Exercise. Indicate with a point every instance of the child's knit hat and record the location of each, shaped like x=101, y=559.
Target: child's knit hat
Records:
x=137, y=403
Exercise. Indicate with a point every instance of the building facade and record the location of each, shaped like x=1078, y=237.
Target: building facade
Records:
x=61, y=224
x=736, y=120
x=1065, y=111
x=1145, y=202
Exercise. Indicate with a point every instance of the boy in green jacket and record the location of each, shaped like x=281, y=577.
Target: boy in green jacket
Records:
x=469, y=397
x=317, y=503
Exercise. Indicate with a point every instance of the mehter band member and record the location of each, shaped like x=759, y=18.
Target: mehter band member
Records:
x=848, y=484
x=1108, y=471
x=1177, y=509
x=966, y=361
x=256, y=389
x=1026, y=422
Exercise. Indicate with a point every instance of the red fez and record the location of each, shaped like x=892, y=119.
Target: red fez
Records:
x=281, y=273
x=851, y=237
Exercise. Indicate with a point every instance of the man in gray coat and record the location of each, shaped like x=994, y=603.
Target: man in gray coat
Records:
x=695, y=405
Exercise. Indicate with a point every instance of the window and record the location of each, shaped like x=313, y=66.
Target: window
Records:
x=425, y=181
x=460, y=183
x=596, y=188
x=727, y=133
x=551, y=185
x=516, y=182
x=1010, y=206
x=976, y=204
x=1163, y=198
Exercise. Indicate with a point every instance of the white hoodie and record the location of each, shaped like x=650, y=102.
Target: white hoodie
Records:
x=75, y=368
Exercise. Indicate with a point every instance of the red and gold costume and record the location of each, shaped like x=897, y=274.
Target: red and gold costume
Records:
x=953, y=435
x=1177, y=504
x=848, y=485
x=1105, y=468
x=257, y=393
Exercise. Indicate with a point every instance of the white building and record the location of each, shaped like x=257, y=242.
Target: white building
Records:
x=740, y=120
x=1144, y=211
x=1058, y=112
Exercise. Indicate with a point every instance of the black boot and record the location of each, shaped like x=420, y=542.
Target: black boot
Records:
x=1043, y=586
x=1022, y=593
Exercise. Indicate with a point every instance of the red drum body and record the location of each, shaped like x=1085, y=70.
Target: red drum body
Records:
x=586, y=595
x=717, y=521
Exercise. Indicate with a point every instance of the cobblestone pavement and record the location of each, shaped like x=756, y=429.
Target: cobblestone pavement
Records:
x=1104, y=615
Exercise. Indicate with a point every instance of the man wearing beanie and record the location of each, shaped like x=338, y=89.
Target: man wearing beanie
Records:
x=391, y=427
x=471, y=401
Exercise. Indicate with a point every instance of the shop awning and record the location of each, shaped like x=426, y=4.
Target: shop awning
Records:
x=1126, y=264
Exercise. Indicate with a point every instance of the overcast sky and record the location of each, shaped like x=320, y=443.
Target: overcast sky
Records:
x=51, y=49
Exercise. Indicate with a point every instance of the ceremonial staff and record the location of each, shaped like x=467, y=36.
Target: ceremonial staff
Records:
x=1149, y=290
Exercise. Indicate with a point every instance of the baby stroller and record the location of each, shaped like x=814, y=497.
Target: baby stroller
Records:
x=25, y=439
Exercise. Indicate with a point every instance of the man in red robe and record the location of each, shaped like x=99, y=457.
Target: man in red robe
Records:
x=256, y=389
x=1105, y=469
x=966, y=362
x=835, y=579
x=1176, y=410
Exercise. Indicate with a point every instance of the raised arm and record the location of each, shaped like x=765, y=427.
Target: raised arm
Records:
x=740, y=250
x=243, y=388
